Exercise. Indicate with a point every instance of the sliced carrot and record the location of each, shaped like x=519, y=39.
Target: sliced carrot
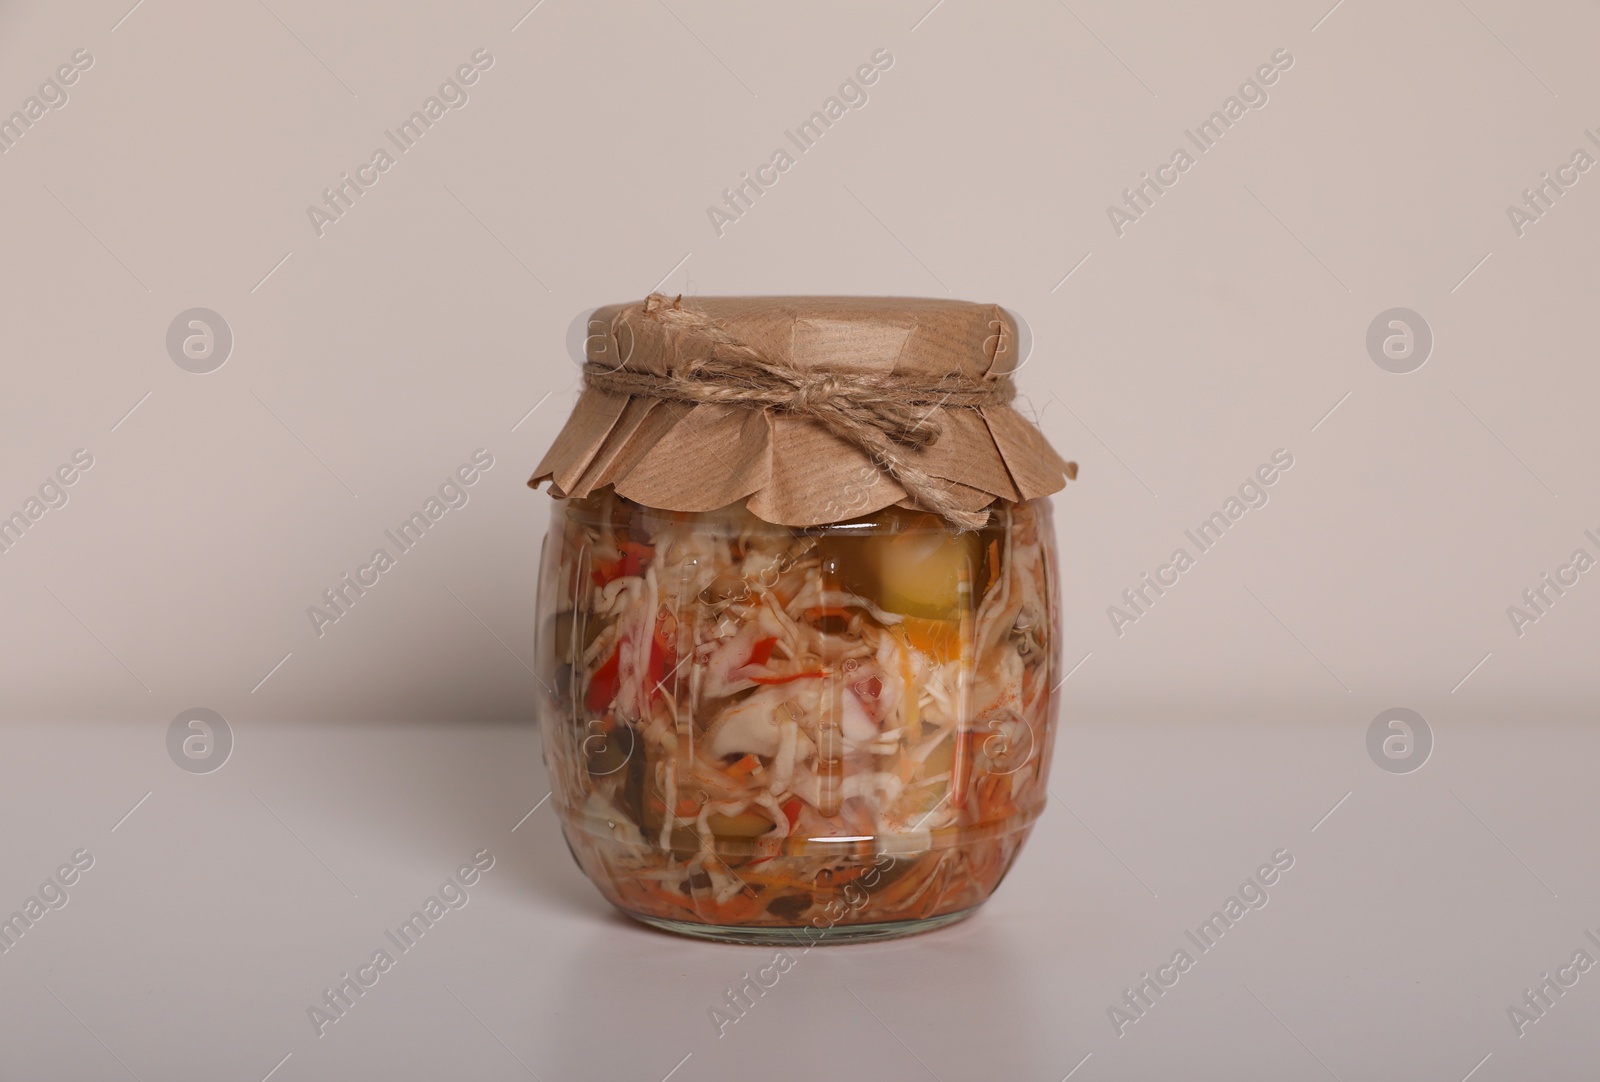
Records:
x=685, y=808
x=961, y=769
x=653, y=899
x=750, y=907
x=940, y=638
x=994, y=797
x=744, y=767
x=744, y=906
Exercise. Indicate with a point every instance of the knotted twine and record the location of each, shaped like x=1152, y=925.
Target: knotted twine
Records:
x=883, y=415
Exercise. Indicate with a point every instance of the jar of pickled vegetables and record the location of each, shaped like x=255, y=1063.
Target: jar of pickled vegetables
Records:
x=798, y=627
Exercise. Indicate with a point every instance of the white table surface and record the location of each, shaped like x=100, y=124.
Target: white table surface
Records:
x=218, y=911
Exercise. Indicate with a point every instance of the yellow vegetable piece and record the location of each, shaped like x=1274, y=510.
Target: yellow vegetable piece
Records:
x=743, y=825
x=920, y=571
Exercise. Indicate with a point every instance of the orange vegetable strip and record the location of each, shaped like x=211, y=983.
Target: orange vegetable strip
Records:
x=744, y=767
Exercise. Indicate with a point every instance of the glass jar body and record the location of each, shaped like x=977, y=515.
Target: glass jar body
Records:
x=769, y=734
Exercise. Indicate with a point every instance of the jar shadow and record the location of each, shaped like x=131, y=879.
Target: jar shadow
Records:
x=675, y=992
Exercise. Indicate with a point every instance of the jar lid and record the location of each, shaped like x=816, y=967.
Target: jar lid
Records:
x=701, y=402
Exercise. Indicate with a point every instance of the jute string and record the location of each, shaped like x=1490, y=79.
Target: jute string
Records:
x=883, y=415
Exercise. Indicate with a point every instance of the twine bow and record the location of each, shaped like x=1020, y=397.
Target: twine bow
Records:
x=883, y=415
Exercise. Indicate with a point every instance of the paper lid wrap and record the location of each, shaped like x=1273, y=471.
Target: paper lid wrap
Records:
x=786, y=468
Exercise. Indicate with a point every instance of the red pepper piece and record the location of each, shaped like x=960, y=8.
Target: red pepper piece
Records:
x=761, y=651
x=603, y=684
x=634, y=559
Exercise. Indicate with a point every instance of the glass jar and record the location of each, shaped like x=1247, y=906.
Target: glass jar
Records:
x=772, y=734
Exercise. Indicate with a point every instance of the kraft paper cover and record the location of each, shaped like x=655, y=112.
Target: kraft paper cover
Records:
x=785, y=468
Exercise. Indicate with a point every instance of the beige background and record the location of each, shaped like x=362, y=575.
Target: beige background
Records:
x=431, y=320
x=427, y=321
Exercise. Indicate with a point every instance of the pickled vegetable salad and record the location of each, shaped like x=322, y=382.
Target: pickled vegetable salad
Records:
x=752, y=718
